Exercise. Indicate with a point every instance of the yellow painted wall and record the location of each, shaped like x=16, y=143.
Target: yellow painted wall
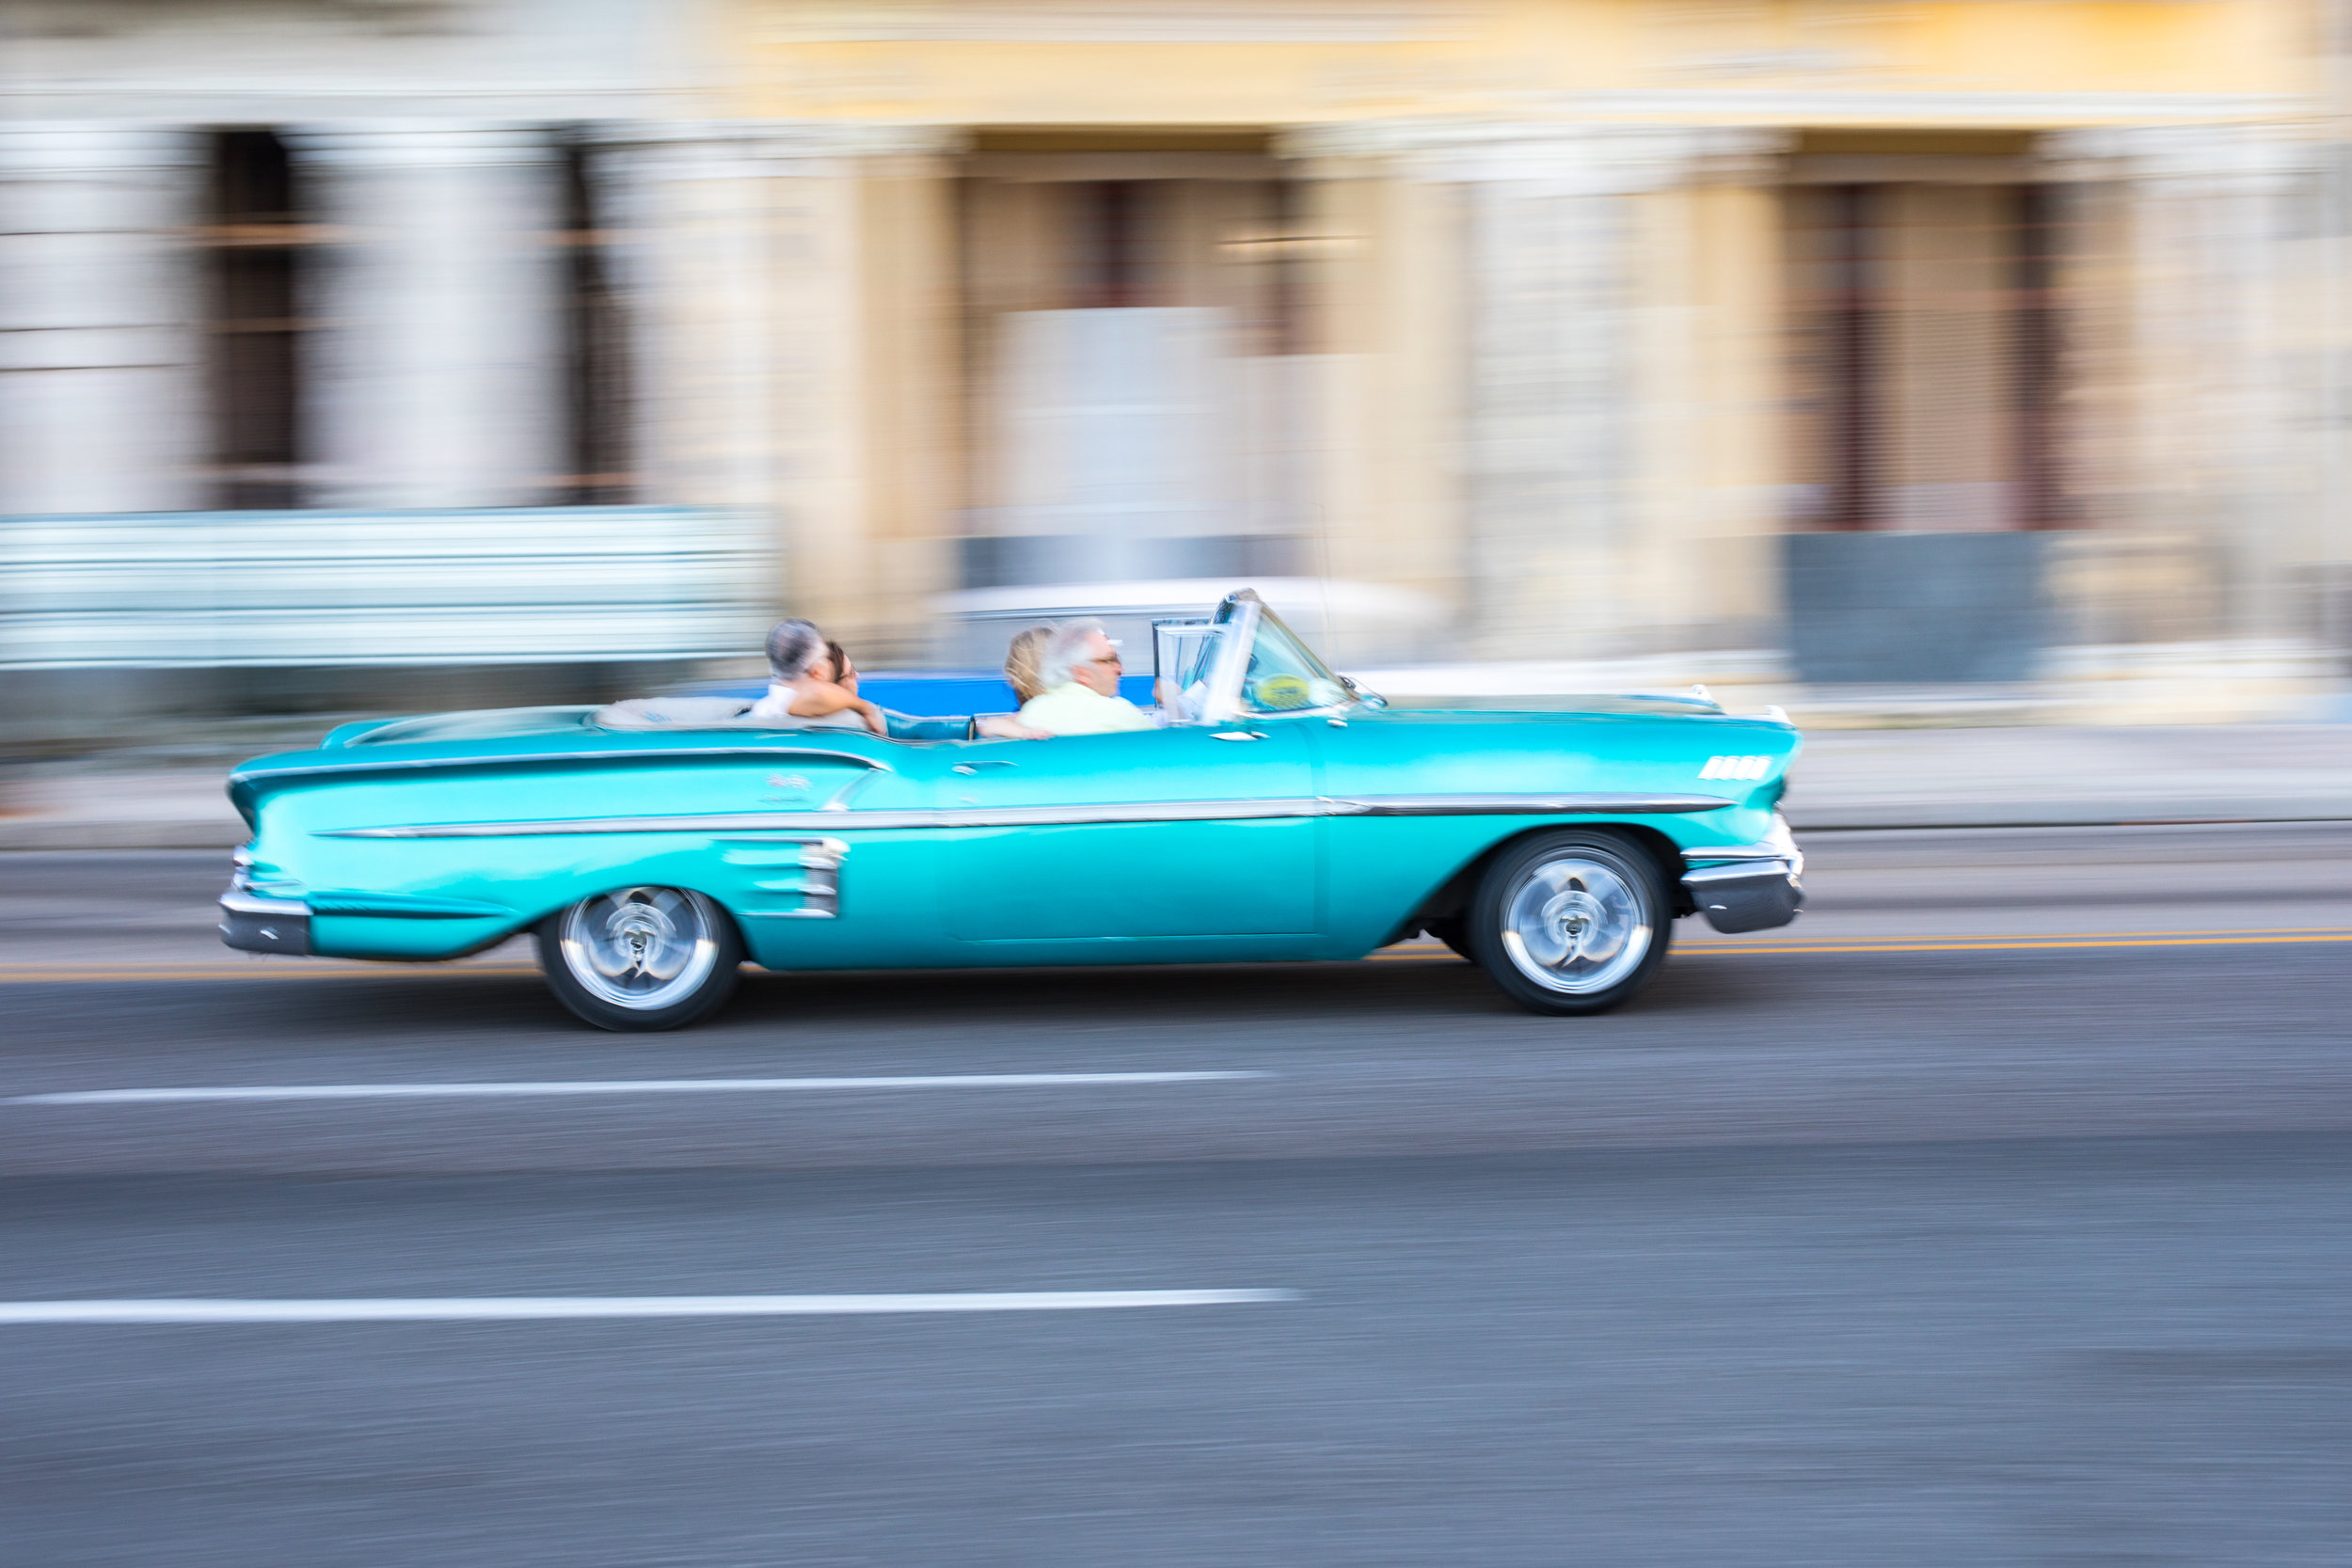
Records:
x=908, y=451
x=1717, y=440
x=1205, y=62
x=1390, y=335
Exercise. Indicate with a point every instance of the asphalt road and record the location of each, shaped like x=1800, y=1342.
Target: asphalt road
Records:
x=1998, y=1212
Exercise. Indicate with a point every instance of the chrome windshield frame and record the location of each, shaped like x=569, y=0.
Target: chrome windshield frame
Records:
x=1240, y=618
x=1263, y=614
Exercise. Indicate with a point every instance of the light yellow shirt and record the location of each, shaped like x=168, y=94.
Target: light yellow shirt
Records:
x=1074, y=709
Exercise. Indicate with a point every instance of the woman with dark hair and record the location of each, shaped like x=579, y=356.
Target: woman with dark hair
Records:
x=803, y=680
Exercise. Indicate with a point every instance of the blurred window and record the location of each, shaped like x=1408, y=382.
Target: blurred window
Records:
x=257, y=241
x=1111, y=259
x=595, y=345
x=1927, y=316
x=1139, y=366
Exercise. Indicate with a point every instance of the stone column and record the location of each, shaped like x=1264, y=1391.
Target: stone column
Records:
x=2226, y=367
x=1382, y=284
x=686, y=210
x=1561, y=392
x=2332, y=209
x=1552, y=399
x=102, y=371
x=759, y=265
x=434, y=376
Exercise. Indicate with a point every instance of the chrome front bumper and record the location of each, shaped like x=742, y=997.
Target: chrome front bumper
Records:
x=1748, y=887
x=252, y=922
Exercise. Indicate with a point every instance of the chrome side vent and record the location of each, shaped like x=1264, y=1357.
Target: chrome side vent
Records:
x=809, y=872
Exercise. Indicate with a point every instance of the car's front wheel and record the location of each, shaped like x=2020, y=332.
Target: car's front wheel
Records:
x=1570, y=922
x=641, y=957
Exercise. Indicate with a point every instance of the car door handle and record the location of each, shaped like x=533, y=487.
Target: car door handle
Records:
x=968, y=769
x=1238, y=734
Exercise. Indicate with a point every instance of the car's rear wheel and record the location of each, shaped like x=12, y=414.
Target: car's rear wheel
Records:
x=641, y=957
x=1570, y=922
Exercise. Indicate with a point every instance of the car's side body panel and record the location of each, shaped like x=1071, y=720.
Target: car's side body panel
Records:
x=1217, y=875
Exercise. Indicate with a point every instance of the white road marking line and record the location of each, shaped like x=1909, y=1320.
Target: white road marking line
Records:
x=618, y=1086
x=518, y=1309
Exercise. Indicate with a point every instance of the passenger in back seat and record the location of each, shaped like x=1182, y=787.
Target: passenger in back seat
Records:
x=801, y=682
x=814, y=679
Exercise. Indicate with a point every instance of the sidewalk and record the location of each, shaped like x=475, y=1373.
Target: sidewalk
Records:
x=2027, y=777
x=2169, y=684
x=1909, y=778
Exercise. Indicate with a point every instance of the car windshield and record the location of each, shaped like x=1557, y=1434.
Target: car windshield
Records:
x=1284, y=676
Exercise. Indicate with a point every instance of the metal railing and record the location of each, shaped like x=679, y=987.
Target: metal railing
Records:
x=519, y=585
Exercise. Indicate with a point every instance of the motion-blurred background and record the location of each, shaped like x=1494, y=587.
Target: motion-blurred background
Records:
x=1968, y=376
x=1905, y=363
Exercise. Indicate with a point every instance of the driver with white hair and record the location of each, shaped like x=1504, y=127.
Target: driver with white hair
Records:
x=1079, y=668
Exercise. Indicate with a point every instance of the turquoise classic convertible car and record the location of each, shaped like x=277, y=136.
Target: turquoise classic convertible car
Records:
x=1282, y=813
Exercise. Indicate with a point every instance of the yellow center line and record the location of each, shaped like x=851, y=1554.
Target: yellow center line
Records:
x=27, y=974
x=21, y=974
x=2000, y=944
x=1984, y=944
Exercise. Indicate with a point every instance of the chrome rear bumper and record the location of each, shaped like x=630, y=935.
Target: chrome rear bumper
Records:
x=1748, y=887
x=253, y=924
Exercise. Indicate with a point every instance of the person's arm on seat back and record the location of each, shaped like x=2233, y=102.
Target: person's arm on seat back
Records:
x=822, y=699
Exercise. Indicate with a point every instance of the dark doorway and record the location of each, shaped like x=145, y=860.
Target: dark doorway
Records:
x=256, y=238
x=1924, y=375
x=1927, y=358
x=595, y=346
x=1110, y=250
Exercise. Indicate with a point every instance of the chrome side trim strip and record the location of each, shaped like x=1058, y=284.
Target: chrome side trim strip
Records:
x=1106, y=813
x=1527, y=805
x=394, y=906
x=797, y=821
x=394, y=765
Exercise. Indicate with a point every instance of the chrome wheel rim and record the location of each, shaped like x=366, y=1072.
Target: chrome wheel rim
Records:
x=1574, y=925
x=641, y=948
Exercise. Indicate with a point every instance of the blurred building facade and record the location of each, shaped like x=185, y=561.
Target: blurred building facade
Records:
x=1519, y=328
